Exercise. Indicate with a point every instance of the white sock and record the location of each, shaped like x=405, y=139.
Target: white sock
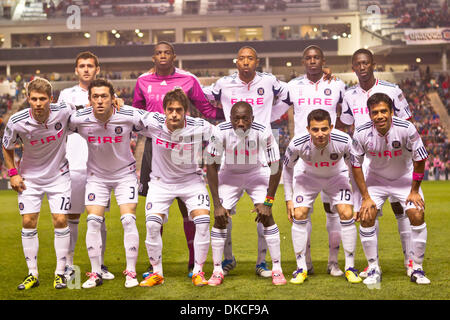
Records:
x=30, y=244
x=334, y=236
x=73, y=226
x=299, y=240
x=262, y=244
x=404, y=230
x=153, y=242
x=272, y=236
x=349, y=236
x=61, y=243
x=201, y=241
x=94, y=242
x=308, y=258
x=228, y=249
x=103, y=234
x=369, y=242
x=130, y=240
x=419, y=243
x=218, y=239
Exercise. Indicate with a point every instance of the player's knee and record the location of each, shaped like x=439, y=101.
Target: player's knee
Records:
x=60, y=220
x=416, y=217
x=29, y=221
x=301, y=213
x=346, y=212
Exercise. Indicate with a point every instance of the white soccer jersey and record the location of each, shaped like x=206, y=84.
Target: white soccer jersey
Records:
x=390, y=155
x=307, y=96
x=76, y=149
x=44, y=144
x=354, y=106
x=110, y=156
x=323, y=163
x=176, y=155
x=260, y=93
x=242, y=154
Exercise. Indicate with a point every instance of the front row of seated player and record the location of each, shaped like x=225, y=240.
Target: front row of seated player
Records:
x=250, y=162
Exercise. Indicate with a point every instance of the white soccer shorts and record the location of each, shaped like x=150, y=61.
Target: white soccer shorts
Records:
x=98, y=192
x=233, y=185
x=161, y=195
x=381, y=189
x=307, y=187
x=58, y=195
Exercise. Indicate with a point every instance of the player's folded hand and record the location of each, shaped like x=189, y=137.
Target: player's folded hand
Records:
x=368, y=210
x=221, y=215
x=327, y=75
x=262, y=211
x=17, y=183
x=415, y=198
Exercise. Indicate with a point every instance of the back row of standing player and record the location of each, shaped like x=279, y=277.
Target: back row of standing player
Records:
x=259, y=89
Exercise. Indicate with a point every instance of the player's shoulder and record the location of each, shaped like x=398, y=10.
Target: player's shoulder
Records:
x=180, y=73
x=297, y=81
x=196, y=122
x=351, y=91
x=339, y=136
x=266, y=75
x=127, y=110
x=19, y=116
x=55, y=107
x=300, y=140
x=225, y=126
x=385, y=83
x=146, y=75
x=400, y=123
x=160, y=118
x=232, y=78
x=258, y=126
x=83, y=112
x=365, y=127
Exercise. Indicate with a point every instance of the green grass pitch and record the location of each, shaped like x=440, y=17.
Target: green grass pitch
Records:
x=242, y=283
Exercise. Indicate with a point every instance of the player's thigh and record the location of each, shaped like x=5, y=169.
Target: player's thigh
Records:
x=379, y=189
x=59, y=195
x=230, y=190
x=256, y=185
x=159, y=200
x=30, y=200
x=126, y=191
x=306, y=189
x=78, y=186
x=97, y=193
x=196, y=197
x=338, y=191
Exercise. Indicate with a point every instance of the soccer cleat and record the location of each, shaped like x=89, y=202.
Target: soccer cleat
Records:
x=69, y=273
x=351, y=274
x=333, y=269
x=148, y=272
x=373, y=276
x=278, y=278
x=418, y=276
x=262, y=270
x=199, y=280
x=299, y=276
x=228, y=265
x=106, y=275
x=409, y=268
x=29, y=282
x=216, y=279
x=152, y=280
x=59, y=282
x=190, y=271
x=363, y=274
x=130, y=279
x=94, y=280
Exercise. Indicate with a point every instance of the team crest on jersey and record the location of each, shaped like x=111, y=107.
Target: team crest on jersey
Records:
x=334, y=156
x=58, y=126
x=118, y=130
x=260, y=91
x=327, y=91
x=396, y=144
x=149, y=205
x=21, y=206
x=91, y=197
x=299, y=199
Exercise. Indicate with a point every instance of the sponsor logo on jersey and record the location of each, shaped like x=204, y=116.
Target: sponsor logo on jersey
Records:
x=91, y=196
x=322, y=164
x=299, y=199
x=316, y=101
x=252, y=101
x=334, y=156
x=58, y=126
x=327, y=92
x=21, y=206
x=116, y=139
x=360, y=110
x=118, y=130
x=396, y=144
x=47, y=139
x=386, y=154
x=260, y=91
